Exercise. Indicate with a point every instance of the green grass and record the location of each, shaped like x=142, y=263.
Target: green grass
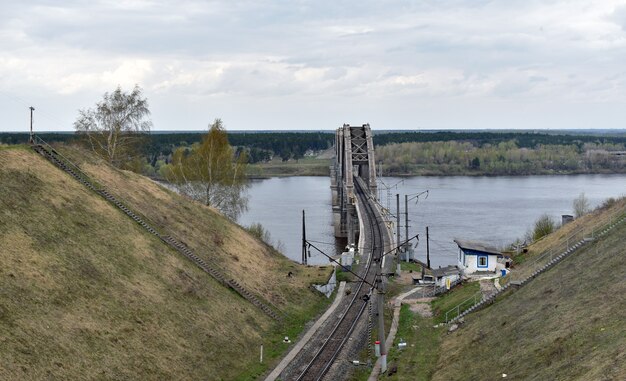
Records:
x=418, y=359
x=273, y=345
x=451, y=299
x=411, y=266
x=567, y=324
x=344, y=276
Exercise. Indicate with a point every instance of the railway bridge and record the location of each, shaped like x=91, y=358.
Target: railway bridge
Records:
x=329, y=352
x=354, y=157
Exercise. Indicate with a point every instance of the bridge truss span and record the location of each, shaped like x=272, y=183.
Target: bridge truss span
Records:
x=354, y=157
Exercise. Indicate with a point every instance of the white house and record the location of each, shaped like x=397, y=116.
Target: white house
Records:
x=478, y=259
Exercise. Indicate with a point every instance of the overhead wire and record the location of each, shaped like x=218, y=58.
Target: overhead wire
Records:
x=337, y=262
x=39, y=111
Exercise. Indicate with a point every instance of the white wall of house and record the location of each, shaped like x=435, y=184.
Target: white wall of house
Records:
x=471, y=264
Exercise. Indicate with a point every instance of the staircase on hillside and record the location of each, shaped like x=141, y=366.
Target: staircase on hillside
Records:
x=545, y=267
x=73, y=170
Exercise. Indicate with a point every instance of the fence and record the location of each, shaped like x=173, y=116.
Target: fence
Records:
x=566, y=245
x=580, y=234
x=463, y=306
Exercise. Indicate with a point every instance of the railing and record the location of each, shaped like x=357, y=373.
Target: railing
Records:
x=572, y=241
x=83, y=177
x=583, y=233
x=463, y=306
x=68, y=162
x=72, y=169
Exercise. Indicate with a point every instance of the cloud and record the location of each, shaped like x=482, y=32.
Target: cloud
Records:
x=300, y=53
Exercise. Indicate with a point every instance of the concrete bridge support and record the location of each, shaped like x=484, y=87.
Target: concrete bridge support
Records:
x=354, y=156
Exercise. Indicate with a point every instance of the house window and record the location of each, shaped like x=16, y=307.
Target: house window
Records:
x=482, y=261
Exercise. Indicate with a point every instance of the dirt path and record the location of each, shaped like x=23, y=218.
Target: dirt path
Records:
x=420, y=306
x=487, y=288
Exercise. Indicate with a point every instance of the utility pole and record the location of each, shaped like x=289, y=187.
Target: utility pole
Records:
x=406, y=214
x=398, y=231
x=406, y=218
x=381, y=322
x=427, y=249
x=304, y=260
x=31, y=138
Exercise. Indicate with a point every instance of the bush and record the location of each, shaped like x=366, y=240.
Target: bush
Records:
x=257, y=230
x=543, y=226
x=581, y=205
x=606, y=204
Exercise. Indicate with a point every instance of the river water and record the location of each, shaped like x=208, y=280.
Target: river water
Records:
x=493, y=210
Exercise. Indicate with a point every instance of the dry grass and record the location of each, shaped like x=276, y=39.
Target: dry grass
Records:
x=255, y=265
x=568, y=324
x=597, y=217
x=86, y=294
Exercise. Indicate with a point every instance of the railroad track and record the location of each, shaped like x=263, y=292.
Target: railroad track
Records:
x=332, y=345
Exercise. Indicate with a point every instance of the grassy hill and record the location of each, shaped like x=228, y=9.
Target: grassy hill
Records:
x=85, y=293
x=567, y=324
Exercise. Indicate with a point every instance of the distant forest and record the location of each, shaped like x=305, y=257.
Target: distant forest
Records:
x=442, y=152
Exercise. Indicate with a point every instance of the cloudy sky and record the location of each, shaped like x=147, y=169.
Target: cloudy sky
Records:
x=440, y=64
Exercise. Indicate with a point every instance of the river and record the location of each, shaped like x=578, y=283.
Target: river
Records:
x=494, y=210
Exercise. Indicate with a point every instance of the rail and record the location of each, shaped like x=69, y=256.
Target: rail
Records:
x=326, y=355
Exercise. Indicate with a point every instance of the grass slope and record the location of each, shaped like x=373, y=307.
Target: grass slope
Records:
x=567, y=324
x=86, y=294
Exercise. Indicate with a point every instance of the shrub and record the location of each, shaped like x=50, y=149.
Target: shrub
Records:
x=606, y=204
x=257, y=230
x=543, y=226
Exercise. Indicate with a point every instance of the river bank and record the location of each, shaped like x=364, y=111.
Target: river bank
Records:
x=320, y=167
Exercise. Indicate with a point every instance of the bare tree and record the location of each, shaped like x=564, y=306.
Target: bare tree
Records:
x=209, y=172
x=581, y=205
x=117, y=125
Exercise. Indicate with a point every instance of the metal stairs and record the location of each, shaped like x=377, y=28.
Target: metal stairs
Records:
x=55, y=158
x=491, y=299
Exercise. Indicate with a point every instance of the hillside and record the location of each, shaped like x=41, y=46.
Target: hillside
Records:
x=566, y=324
x=86, y=293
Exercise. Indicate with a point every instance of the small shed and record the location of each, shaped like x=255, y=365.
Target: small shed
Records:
x=475, y=257
x=347, y=257
x=442, y=274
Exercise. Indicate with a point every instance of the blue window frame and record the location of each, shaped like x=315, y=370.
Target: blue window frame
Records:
x=482, y=261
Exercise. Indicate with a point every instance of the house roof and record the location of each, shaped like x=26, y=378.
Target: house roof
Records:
x=477, y=246
x=448, y=270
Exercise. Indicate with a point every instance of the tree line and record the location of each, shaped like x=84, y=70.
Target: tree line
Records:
x=504, y=158
x=263, y=146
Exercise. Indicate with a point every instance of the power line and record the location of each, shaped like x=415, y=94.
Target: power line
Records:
x=342, y=266
x=40, y=111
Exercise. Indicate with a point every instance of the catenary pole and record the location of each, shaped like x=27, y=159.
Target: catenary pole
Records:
x=304, y=259
x=427, y=249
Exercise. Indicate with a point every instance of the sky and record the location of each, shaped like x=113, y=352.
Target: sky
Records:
x=314, y=65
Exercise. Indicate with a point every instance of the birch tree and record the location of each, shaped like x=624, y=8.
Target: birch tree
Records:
x=116, y=126
x=210, y=173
